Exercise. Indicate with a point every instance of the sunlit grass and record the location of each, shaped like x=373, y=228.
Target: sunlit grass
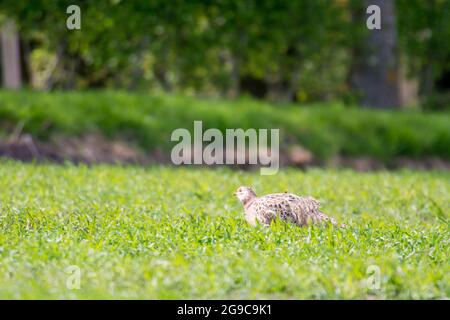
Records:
x=148, y=120
x=179, y=233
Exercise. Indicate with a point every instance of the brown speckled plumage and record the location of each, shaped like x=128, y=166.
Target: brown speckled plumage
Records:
x=289, y=207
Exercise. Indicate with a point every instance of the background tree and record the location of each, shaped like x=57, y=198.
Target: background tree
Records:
x=279, y=50
x=376, y=72
x=424, y=30
x=10, y=56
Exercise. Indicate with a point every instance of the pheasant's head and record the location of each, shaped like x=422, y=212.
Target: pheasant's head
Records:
x=245, y=194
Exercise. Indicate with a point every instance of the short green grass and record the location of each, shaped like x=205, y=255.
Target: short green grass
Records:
x=148, y=120
x=160, y=233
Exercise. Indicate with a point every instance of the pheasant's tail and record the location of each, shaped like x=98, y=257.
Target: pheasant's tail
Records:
x=326, y=218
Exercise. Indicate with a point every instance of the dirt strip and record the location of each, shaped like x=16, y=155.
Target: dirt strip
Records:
x=95, y=148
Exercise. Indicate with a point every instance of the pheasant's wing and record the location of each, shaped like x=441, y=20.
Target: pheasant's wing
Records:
x=305, y=209
x=265, y=211
x=310, y=208
x=289, y=207
x=279, y=204
x=299, y=210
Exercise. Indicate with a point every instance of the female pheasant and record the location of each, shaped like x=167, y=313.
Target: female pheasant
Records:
x=289, y=207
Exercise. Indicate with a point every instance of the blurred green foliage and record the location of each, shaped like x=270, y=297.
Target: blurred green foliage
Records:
x=424, y=32
x=301, y=48
x=325, y=129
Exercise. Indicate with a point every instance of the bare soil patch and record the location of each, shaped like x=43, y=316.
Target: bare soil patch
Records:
x=95, y=148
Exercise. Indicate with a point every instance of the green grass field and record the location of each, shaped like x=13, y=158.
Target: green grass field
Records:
x=148, y=120
x=179, y=233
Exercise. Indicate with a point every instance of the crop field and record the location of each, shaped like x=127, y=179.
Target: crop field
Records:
x=174, y=233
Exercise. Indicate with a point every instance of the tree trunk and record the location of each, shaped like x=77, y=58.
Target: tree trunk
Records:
x=235, y=76
x=376, y=71
x=10, y=52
